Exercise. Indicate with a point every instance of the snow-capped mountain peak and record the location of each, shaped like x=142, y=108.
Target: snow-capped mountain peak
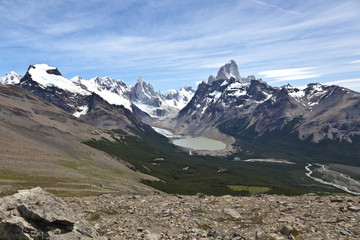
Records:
x=113, y=91
x=11, y=78
x=44, y=80
x=47, y=76
x=179, y=98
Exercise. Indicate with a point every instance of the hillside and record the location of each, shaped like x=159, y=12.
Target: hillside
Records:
x=41, y=146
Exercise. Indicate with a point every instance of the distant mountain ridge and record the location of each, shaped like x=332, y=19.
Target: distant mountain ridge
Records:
x=141, y=99
x=229, y=102
x=237, y=104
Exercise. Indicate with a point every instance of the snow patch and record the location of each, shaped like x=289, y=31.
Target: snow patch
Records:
x=83, y=110
x=296, y=93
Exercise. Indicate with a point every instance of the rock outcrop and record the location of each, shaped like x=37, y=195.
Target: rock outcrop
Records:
x=36, y=214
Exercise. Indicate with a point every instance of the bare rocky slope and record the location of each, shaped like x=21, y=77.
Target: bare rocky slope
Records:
x=35, y=214
x=41, y=146
x=226, y=217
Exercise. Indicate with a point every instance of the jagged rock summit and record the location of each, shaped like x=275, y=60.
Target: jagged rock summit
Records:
x=145, y=94
x=228, y=71
x=36, y=214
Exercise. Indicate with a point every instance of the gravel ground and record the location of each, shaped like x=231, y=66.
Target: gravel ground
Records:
x=226, y=217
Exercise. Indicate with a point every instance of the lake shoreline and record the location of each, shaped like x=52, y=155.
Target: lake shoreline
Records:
x=216, y=144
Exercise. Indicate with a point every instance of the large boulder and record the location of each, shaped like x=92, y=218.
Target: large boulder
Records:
x=36, y=214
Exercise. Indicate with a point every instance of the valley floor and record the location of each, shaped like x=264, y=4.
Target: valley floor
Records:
x=225, y=217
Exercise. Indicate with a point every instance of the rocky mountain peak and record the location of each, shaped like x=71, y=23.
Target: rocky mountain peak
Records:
x=144, y=93
x=227, y=71
x=211, y=79
x=11, y=78
x=249, y=79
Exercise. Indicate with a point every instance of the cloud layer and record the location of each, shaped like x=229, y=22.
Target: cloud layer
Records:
x=297, y=41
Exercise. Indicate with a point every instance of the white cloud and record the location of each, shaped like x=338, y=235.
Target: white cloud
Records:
x=290, y=74
x=187, y=39
x=215, y=65
x=275, y=6
x=351, y=81
x=356, y=61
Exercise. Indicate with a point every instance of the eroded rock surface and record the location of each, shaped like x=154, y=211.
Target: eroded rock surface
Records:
x=36, y=214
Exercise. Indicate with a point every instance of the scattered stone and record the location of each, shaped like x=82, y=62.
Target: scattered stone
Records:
x=163, y=216
x=353, y=208
x=236, y=236
x=344, y=232
x=232, y=212
x=152, y=236
x=259, y=234
x=200, y=195
x=286, y=230
x=213, y=234
x=289, y=219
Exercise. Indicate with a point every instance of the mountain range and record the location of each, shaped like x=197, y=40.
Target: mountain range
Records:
x=315, y=123
x=236, y=104
x=227, y=101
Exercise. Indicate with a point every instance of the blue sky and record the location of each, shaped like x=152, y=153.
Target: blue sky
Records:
x=175, y=43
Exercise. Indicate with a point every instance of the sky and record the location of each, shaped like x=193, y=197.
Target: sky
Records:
x=174, y=43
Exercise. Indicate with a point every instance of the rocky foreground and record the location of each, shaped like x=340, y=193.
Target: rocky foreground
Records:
x=178, y=217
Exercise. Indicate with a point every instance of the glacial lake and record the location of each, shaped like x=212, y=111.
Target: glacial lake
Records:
x=195, y=143
x=200, y=143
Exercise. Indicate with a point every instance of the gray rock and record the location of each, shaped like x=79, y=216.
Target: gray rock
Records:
x=353, y=208
x=70, y=235
x=232, y=212
x=259, y=234
x=289, y=219
x=344, y=232
x=40, y=215
x=286, y=230
x=152, y=236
